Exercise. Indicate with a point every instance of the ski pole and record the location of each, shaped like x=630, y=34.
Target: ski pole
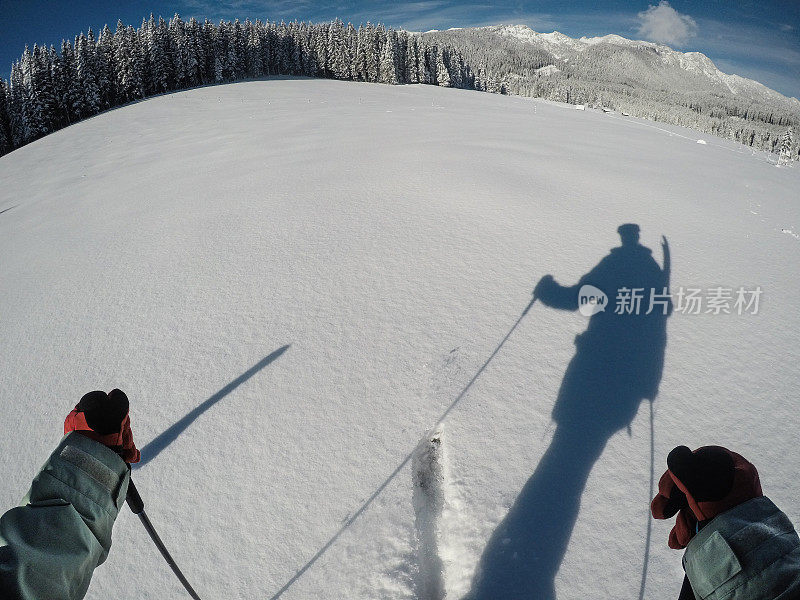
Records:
x=649, y=518
x=136, y=505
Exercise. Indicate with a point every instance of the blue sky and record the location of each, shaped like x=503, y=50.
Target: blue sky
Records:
x=755, y=39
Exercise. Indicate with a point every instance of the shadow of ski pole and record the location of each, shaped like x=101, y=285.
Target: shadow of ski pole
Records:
x=154, y=448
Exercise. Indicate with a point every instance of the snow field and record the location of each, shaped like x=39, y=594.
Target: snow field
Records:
x=169, y=246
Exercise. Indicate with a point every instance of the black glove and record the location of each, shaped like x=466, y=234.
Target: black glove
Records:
x=707, y=472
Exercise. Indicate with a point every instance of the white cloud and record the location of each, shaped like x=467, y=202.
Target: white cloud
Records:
x=664, y=24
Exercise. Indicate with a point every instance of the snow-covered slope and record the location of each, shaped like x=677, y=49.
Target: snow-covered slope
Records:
x=313, y=272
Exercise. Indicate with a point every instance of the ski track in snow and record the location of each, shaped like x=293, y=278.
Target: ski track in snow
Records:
x=428, y=477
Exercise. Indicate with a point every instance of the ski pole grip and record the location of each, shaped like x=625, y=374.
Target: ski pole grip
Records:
x=133, y=499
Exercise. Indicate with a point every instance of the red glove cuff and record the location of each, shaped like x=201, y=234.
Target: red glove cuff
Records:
x=120, y=442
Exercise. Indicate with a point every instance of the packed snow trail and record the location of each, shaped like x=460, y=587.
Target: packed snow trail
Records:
x=428, y=480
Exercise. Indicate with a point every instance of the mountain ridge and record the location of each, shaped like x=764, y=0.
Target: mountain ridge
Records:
x=690, y=61
x=637, y=77
x=49, y=90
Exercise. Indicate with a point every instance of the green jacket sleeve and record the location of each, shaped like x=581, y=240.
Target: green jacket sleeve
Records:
x=50, y=546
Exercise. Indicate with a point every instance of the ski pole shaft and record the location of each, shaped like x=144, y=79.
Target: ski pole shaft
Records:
x=136, y=504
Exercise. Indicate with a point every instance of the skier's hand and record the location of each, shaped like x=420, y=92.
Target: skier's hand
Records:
x=544, y=283
x=105, y=419
x=669, y=500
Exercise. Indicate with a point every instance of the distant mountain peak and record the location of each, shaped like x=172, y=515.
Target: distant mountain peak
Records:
x=564, y=48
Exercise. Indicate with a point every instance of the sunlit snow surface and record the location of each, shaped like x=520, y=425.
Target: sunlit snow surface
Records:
x=390, y=237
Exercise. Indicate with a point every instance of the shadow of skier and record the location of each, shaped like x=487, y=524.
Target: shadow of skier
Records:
x=617, y=364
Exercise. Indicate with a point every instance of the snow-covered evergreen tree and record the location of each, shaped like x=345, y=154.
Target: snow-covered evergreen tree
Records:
x=319, y=46
x=195, y=59
x=221, y=69
x=376, y=34
x=308, y=62
x=17, y=108
x=412, y=61
x=338, y=60
x=267, y=35
x=228, y=52
x=237, y=50
x=457, y=71
x=180, y=53
x=351, y=43
x=253, y=50
x=5, y=123
x=388, y=62
x=785, y=153
x=427, y=62
x=363, y=40
x=105, y=68
x=295, y=49
x=442, y=70
x=76, y=93
x=480, y=79
x=45, y=88
x=35, y=94
x=156, y=54
x=63, y=73
x=161, y=55
x=128, y=55
x=88, y=92
x=207, y=52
